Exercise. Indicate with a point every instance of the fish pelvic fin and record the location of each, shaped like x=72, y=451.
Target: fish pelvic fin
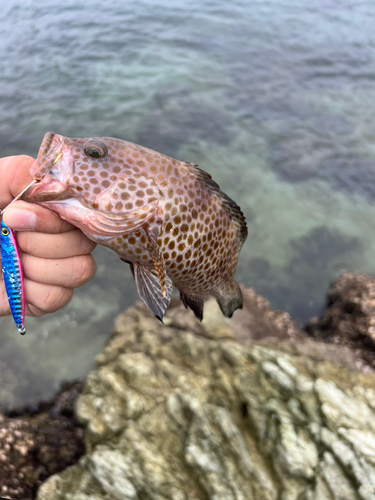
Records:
x=158, y=261
x=149, y=290
x=229, y=298
x=195, y=303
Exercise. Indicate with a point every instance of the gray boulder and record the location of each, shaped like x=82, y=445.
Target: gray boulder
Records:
x=242, y=409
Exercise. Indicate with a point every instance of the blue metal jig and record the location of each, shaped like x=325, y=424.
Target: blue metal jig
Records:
x=13, y=276
x=12, y=269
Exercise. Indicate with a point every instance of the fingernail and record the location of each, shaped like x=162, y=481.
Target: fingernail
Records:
x=20, y=219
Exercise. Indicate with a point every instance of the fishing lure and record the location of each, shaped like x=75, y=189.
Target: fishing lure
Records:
x=13, y=276
x=12, y=270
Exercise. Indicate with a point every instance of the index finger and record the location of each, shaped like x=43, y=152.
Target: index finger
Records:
x=15, y=176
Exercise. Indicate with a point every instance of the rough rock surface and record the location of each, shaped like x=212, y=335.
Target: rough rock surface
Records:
x=350, y=317
x=35, y=443
x=191, y=411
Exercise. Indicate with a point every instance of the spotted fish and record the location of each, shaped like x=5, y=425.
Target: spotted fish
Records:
x=167, y=219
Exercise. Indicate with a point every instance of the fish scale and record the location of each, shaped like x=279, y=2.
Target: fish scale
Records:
x=166, y=218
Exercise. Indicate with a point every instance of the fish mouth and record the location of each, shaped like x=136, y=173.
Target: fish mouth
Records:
x=47, y=190
x=51, y=169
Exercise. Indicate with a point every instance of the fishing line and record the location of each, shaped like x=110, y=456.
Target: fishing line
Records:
x=34, y=181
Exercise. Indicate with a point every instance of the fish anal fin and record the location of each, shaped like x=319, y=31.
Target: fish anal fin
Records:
x=195, y=303
x=149, y=290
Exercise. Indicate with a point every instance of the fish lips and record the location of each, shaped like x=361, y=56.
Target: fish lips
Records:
x=48, y=189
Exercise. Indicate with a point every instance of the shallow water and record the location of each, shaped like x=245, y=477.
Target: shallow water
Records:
x=276, y=99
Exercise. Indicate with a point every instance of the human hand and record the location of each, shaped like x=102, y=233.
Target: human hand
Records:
x=55, y=255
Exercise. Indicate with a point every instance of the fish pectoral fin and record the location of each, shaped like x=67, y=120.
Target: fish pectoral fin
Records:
x=125, y=190
x=195, y=303
x=149, y=290
x=158, y=261
x=114, y=218
x=109, y=224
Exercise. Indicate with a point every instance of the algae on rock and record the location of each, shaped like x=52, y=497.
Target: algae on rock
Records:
x=191, y=411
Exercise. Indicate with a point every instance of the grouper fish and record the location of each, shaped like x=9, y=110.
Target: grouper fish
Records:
x=166, y=218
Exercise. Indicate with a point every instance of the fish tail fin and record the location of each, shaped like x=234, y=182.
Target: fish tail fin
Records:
x=229, y=298
x=195, y=303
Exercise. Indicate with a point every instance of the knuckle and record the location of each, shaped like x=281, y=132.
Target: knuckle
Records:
x=83, y=270
x=56, y=297
x=4, y=304
x=23, y=241
x=86, y=246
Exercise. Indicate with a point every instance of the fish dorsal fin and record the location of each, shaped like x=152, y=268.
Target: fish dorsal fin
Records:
x=230, y=206
x=149, y=290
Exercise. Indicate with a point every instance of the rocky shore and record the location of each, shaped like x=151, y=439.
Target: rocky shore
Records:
x=248, y=408
x=37, y=442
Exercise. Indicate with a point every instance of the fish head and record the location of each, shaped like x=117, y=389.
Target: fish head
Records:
x=64, y=166
x=86, y=179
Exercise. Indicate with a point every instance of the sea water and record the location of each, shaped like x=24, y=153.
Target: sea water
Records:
x=274, y=98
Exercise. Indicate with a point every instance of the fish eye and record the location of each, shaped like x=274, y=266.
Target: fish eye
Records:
x=5, y=231
x=96, y=149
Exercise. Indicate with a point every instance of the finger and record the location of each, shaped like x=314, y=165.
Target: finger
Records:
x=4, y=303
x=15, y=176
x=72, y=272
x=23, y=216
x=42, y=299
x=55, y=246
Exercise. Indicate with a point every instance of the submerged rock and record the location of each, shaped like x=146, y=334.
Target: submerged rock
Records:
x=316, y=258
x=300, y=154
x=181, y=118
x=196, y=411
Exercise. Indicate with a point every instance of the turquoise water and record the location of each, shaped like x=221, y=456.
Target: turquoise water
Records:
x=276, y=99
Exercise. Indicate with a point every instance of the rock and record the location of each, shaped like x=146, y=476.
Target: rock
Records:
x=297, y=153
x=196, y=411
x=303, y=153
x=35, y=443
x=350, y=317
